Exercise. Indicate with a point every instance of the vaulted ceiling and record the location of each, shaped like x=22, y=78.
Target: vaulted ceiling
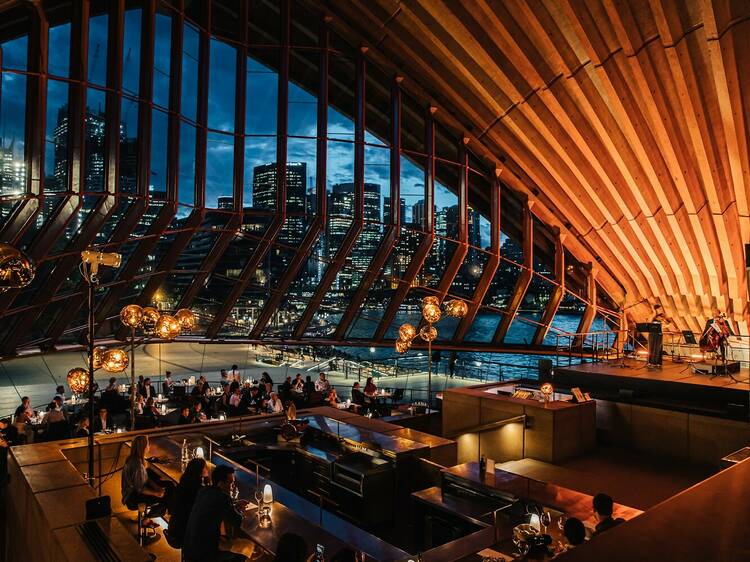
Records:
x=625, y=121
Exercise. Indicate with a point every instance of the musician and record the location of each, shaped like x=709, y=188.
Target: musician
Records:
x=715, y=335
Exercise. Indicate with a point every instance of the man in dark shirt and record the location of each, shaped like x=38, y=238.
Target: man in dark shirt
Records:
x=212, y=507
x=186, y=416
x=358, y=397
x=252, y=400
x=603, y=507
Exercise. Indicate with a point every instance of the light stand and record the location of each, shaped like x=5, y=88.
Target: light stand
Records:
x=93, y=260
x=431, y=314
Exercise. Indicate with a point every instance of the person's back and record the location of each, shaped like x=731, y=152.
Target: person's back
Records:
x=291, y=548
x=603, y=509
x=203, y=528
x=358, y=397
x=180, y=509
x=212, y=507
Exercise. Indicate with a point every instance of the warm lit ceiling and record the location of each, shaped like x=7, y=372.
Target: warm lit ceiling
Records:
x=626, y=120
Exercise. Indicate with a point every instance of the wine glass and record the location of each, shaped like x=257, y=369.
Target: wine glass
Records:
x=234, y=492
x=545, y=519
x=258, y=495
x=561, y=522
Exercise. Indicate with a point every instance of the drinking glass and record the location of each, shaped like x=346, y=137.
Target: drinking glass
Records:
x=545, y=519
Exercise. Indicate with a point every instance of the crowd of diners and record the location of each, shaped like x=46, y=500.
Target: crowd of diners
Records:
x=197, y=508
x=176, y=402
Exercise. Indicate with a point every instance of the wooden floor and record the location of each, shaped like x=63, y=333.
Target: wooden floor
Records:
x=670, y=372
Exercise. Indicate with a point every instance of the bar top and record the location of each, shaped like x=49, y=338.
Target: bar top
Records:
x=570, y=502
x=291, y=513
x=388, y=444
x=484, y=391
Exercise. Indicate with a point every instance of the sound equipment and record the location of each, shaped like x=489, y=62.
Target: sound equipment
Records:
x=545, y=370
x=98, y=507
x=655, y=347
x=648, y=327
x=689, y=337
x=730, y=368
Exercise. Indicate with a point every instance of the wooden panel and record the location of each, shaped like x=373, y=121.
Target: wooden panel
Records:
x=459, y=412
x=660, y=432
x=713, y=438
x=539, y=437
x=504, y=443
x=625, y=124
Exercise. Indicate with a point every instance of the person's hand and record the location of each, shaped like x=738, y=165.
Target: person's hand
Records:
x=161, y=492
x=242, y=505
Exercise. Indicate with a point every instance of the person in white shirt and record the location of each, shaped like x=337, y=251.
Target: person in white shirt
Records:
x=275, y=406
x=322, y=385
x=168, y=382
x=236, y=397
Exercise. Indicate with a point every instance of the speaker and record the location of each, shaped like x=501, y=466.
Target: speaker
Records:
x=545, y=370
x=98, y=507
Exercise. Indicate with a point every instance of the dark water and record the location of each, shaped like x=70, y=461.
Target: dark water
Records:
x=481, y=365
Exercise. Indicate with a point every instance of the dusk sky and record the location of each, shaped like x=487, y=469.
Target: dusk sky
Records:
x=260, y=122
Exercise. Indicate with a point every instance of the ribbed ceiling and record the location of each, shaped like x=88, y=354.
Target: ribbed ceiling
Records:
x=626, y=122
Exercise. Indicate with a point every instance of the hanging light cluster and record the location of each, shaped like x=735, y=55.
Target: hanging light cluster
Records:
x=78, y=380
x=432, y=313
x=164, y=326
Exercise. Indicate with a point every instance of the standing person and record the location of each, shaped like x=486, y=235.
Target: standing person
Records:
x=140, y=386
x=235, y=374
x=603, y=508
x=183, y=498
x=213, y=506
x=168, y=383
x=224, y=379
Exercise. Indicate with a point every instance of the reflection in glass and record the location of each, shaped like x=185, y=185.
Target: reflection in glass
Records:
x=97, y=63
x=158, y=178
x=56, y=138
x=221, y=85
x=186, y=180
x=262, y=98
x=12, y=130
x=190, y=46
x=162, y=59
x=219, y=166
x=59, y=51
x=131, y=52
x=128, y=145
x=94, y=140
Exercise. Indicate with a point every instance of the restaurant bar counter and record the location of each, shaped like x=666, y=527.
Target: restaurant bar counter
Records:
x=337, y=482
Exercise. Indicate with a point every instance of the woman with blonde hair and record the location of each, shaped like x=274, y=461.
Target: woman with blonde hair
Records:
x=137, y=485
